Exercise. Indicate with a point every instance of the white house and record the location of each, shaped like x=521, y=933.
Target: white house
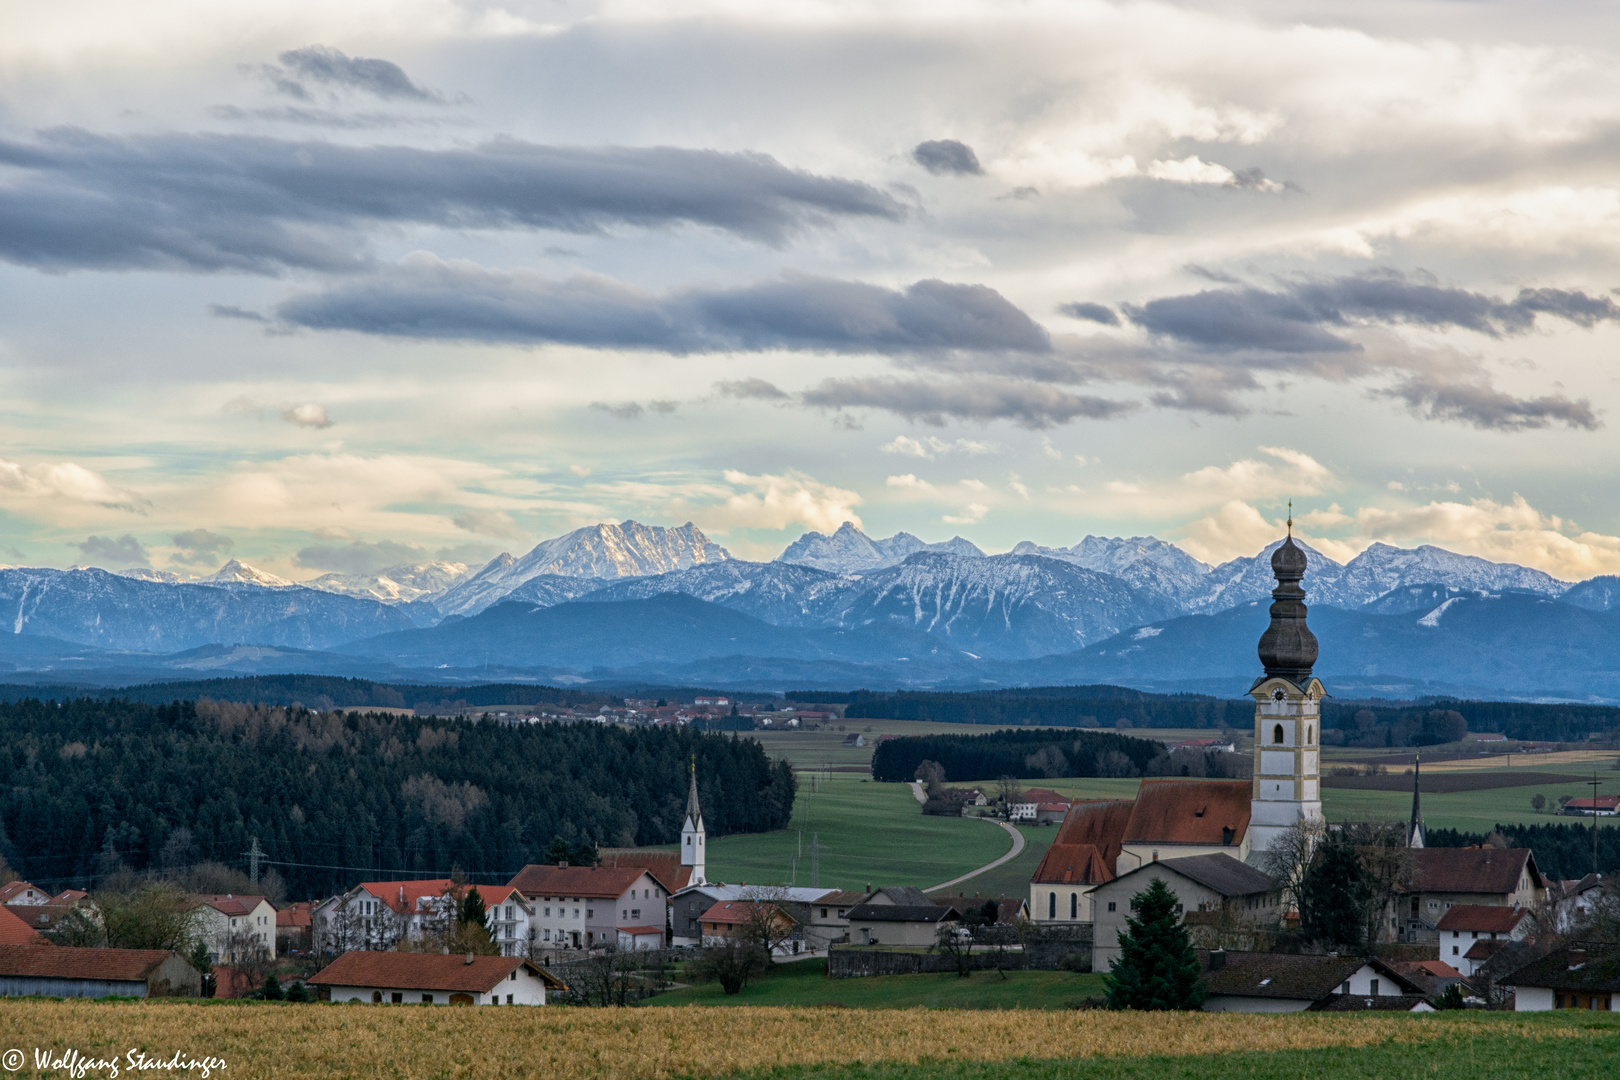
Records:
x=1464, y=925
x=394, y=978
x=1581, y=975
x=235, y=927
x=377, y=914
x=582, y=907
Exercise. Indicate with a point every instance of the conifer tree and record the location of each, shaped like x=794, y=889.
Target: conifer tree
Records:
x=472, y=907
x=1157, y=966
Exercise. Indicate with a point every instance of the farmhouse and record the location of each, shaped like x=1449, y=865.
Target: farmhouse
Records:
x=1213, y=891
x=578, y=907
x=235, y=927
x=59, y=971
x=687, y=909
x=1284, y=982
x=1602, y=806
x=394, y=978
x=1442, y=878
x=1466, y=925
x=901, y=915
x=731, y=918
x=1584, y=975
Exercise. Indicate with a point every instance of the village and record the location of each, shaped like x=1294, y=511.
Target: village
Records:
x=1229, y=861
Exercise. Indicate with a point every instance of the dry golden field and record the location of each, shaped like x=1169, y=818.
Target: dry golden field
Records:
x=258, y=1040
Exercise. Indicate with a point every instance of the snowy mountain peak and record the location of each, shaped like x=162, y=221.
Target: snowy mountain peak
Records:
x=1382, y=568
x=144, y=573
x=397, y=584
x=237, y=572
x=850, y=551
x=605, y=551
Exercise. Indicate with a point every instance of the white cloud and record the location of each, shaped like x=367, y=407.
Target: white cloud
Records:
x=930, y=447
x=47, y=483
x=1191, y=170
x=1513, y=531
x=972, y=514
x=308, y=415
x=910, y=482
x=778, y=501
x=580, y=470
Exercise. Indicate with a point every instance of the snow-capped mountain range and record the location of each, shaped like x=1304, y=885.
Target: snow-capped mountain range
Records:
x=844, y=598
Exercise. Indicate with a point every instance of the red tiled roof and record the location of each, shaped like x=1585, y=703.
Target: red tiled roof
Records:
x=227, y=903
x=1052, y=807
x=296, y=915
x=13, y=889
x=547, y=880
x=1437, y=969
x=842, y=899
x=1603, y=802
x=1484, y=949
x=402, y=896
x=13, y=931
x=1483, y=918
x=61, y=962
x=733, y=912
x=1171, y=811
x=1471, y=870
x=1045, y=795
x=424, y=971
x=1073, y=864
x=664, y=866
x=1100, y=824
x=641, y=930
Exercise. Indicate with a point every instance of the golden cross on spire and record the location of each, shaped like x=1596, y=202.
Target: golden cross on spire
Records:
x=1290, y=517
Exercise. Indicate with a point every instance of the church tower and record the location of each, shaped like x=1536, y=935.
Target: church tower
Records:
x=1287, y=712
x=1415, y=832
x=692, y=833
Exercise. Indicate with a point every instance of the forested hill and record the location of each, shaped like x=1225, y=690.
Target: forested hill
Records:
x=335, y=799
x=325, y=692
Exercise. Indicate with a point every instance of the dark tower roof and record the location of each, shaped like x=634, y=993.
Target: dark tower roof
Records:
x=694, y=812
x=1415, y=832
x=1288, y=648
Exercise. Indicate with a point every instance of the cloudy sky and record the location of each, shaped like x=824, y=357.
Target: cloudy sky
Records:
x=335, y=285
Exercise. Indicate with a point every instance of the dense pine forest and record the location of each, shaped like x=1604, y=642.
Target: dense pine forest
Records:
x=87, y=786
x=1020, y=754
x=1563, y=851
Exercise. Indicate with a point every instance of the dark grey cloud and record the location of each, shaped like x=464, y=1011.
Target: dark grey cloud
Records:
x=359, y=556
x=200, y=547
x=458, y=301
x=325, y=118
x=231, y=311
x=114, y=553
x=624, y=410
x=1476, y=402
x=931, y=401
x=331, y=67
x=947, y=157
x=1097, y=313
x=73, y=199
x=1310, y=315
x=752, y=388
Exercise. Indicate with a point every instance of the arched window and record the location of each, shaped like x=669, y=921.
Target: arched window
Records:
x=376, y=997
x=1074, y=906
x=1277, y=735
x=1051, y=905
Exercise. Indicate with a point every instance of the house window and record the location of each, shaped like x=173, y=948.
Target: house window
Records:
x=427, y=999
x=1111, y=905
x=509, y=999
x=1277, y=735
x=1051, y=905
x=1374, y=988
x=1074, y=906
x=397, y=998
x=823, y=913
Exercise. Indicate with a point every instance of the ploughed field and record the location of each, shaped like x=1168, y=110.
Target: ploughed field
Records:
x=556, y=1043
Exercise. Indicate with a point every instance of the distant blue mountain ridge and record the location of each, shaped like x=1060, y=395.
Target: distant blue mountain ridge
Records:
x=632, y=602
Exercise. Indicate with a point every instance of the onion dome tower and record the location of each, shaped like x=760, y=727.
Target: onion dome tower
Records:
x=1287, y=713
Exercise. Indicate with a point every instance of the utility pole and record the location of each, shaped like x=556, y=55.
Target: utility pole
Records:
x=815, y=860
x=1595, y=782
x=254, y=854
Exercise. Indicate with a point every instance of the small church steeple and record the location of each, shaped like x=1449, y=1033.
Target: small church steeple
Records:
x=1415, y=831
x=692, y=833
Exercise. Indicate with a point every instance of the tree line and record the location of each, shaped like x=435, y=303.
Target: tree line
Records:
x=1075, y=706
x=1019, y=753
x=92, y=787
x=325, y=692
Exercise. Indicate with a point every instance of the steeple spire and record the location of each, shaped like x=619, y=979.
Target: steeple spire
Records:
x=1288, y=648
x=694, y=812
x=1415, y=831
x=693, y=835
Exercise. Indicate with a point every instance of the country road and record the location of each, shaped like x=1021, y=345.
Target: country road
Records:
x=1017, y=846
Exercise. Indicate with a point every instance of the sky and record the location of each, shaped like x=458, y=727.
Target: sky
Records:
x=336, y=286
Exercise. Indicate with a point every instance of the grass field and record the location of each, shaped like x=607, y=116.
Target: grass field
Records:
x=805, y=983
x=870, y=834
x=408, y=1042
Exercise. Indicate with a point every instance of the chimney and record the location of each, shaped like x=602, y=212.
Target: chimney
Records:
x=402, y=896
x=469, y=958
x=1577, y=958
x=1217, y=959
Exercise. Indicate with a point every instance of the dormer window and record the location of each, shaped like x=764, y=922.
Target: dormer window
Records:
x=1277, y=734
